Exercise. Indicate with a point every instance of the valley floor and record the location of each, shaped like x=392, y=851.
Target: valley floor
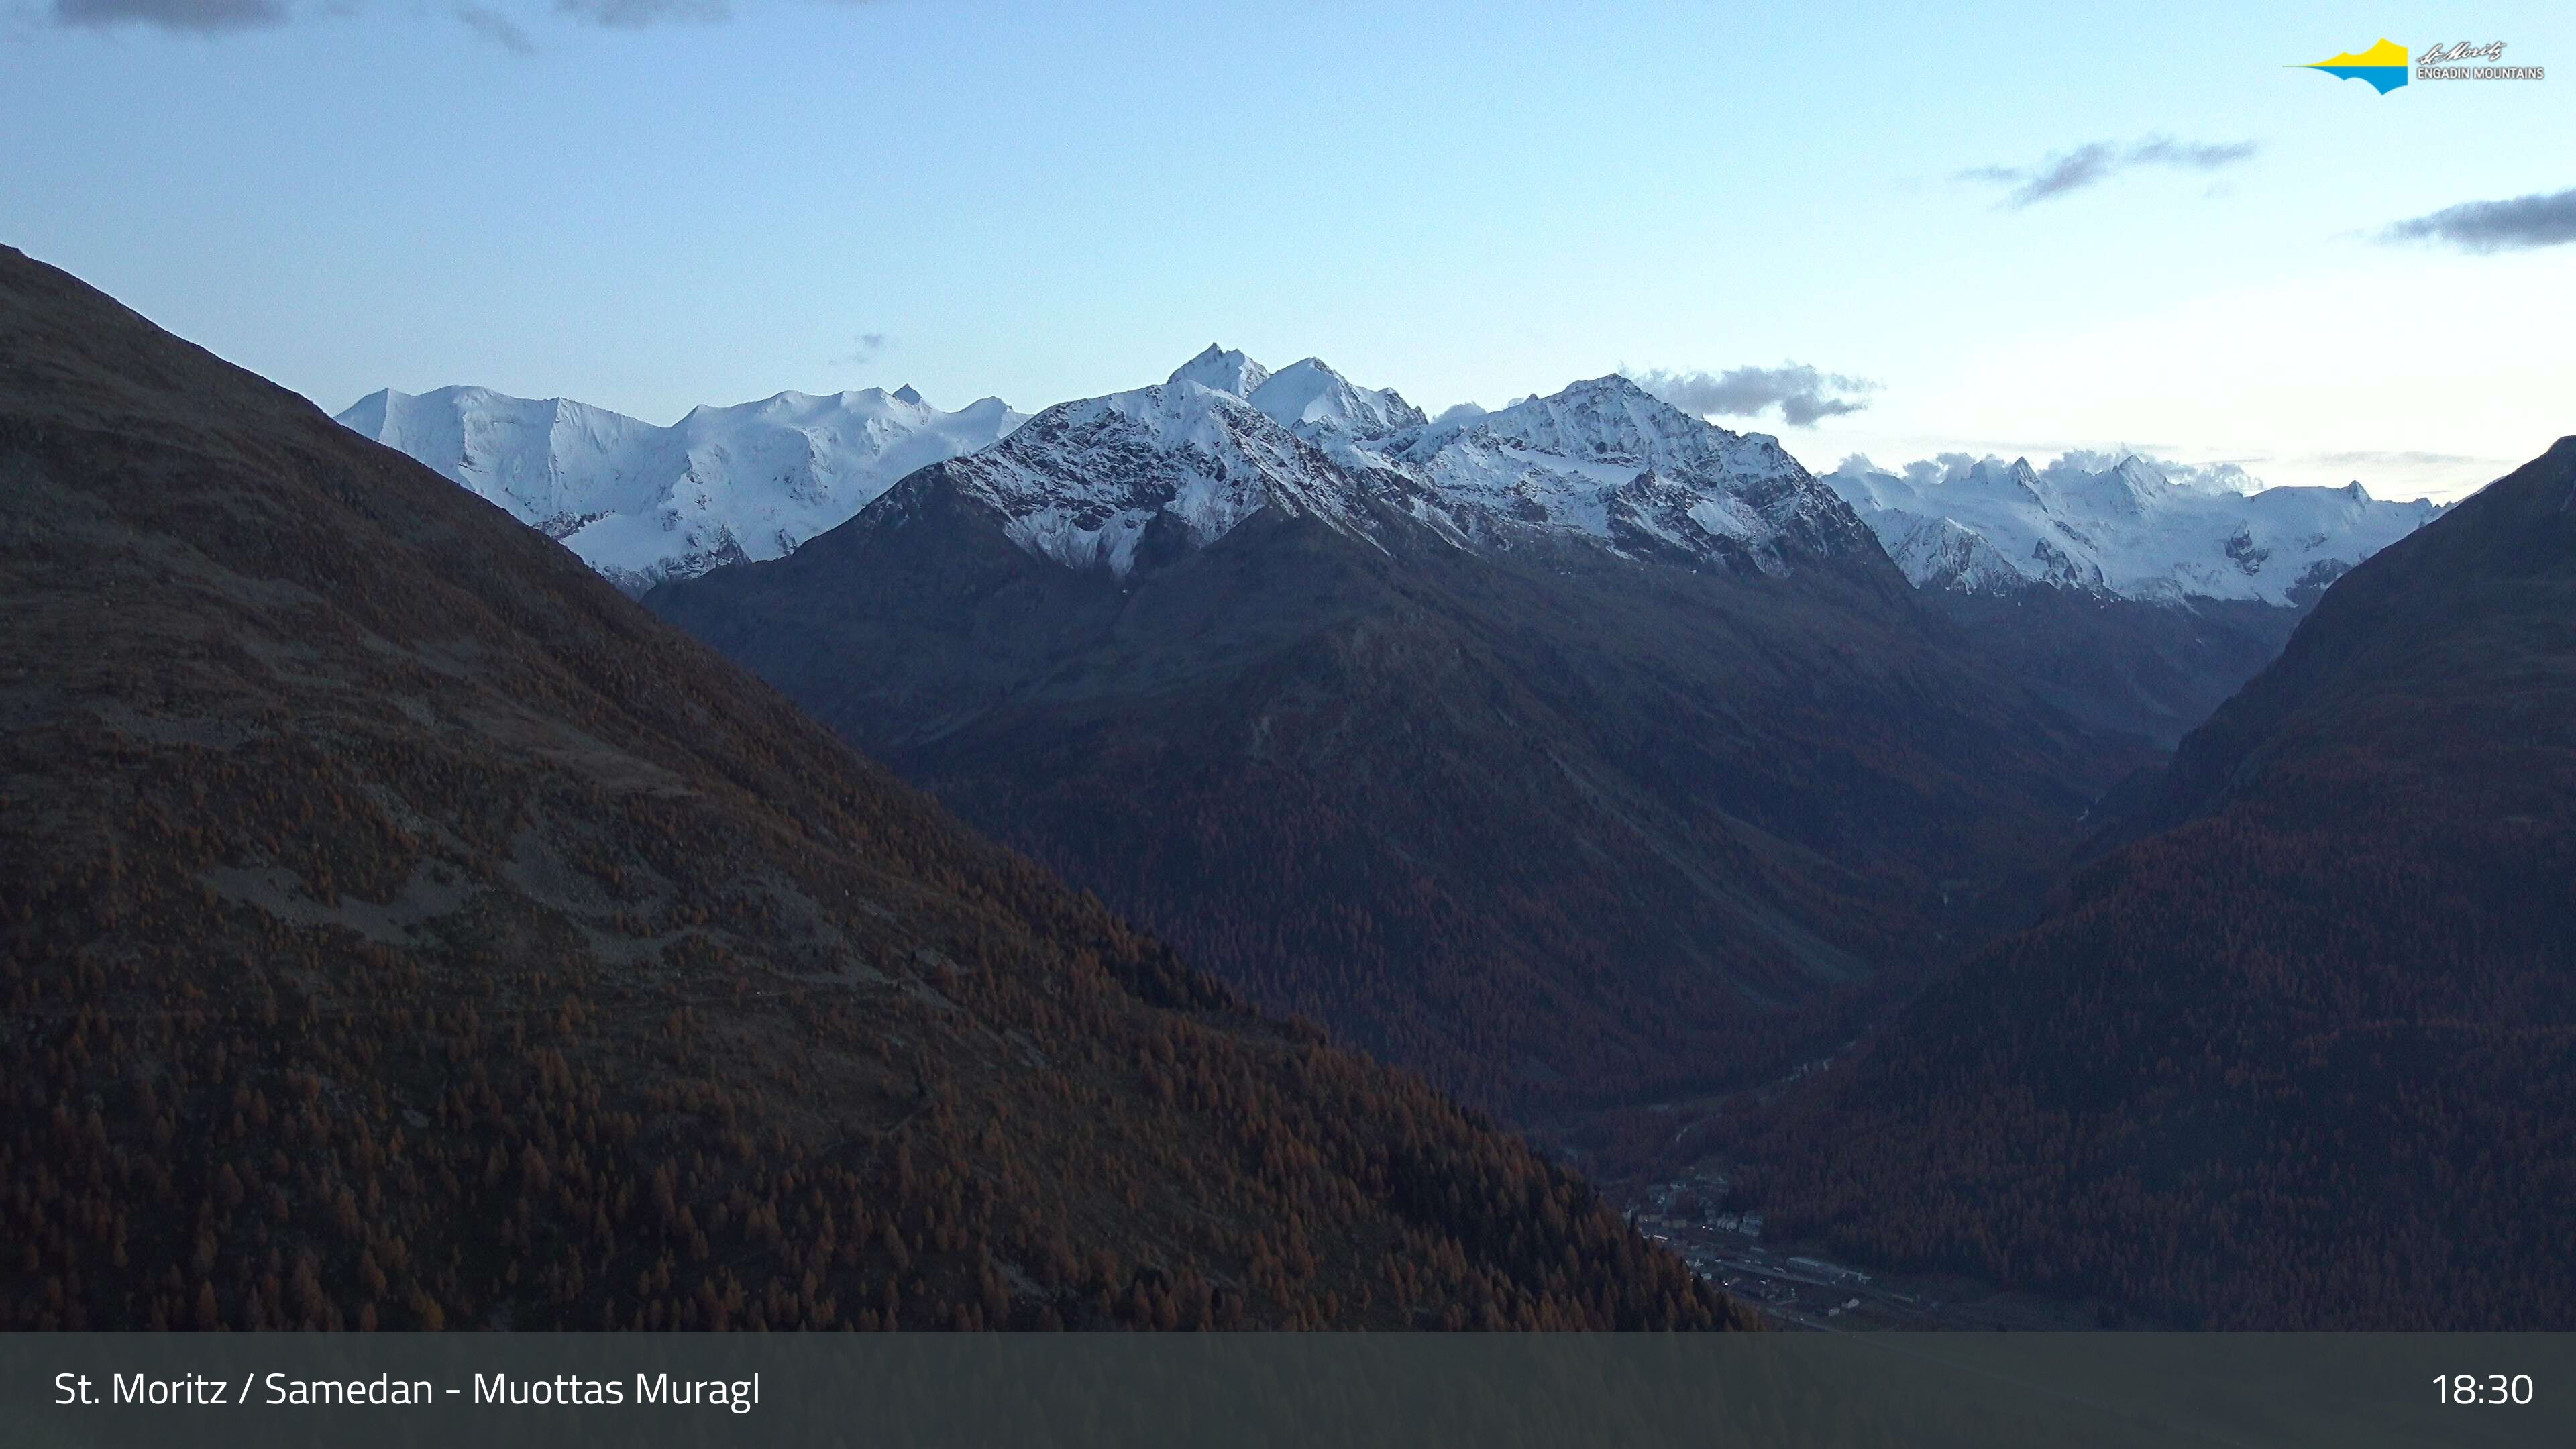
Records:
x=1795, y=1286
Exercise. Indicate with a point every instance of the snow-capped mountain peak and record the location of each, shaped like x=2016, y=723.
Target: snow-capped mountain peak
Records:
x=641, y=503
x=2127, y=489
x=1224, y=370
x=2016, y=480
x=1612, y=419
x=1309, y=399
x=2141, y=474
x=1101, y=482
x=1606, y=461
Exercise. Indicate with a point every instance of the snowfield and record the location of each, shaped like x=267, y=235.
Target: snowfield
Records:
x=641, y=503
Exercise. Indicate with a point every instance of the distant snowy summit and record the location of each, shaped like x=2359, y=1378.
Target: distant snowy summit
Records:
x=1108, y=481
x=2127, y=531
x=1221, y=369
x=641, y=503
x=1605, y=462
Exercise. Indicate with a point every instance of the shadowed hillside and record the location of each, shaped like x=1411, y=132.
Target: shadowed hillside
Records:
x=405, y=930
x=2305, y=1056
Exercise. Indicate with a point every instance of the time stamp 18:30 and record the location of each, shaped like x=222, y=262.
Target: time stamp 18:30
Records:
x=2458, y=1389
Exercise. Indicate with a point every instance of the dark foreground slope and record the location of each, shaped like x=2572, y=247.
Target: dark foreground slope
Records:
x=2307, y=1056
x=403, y=929
x=1554, y=826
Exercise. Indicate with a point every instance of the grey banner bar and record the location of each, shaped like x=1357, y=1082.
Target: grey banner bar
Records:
x=495, y=1391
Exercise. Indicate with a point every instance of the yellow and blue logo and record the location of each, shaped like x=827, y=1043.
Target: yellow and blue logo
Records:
x=2383, y=65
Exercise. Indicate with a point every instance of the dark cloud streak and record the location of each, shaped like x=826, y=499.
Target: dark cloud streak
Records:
x=2099, y=161
x=202, y=16
x=870, y=344
x=209, y=17
x=637, y=14
x=497, y=28
x=2543, y=219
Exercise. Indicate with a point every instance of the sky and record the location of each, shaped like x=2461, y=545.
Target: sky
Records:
x=1888, y=230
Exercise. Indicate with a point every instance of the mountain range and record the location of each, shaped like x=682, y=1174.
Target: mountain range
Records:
x=1555, y=751
x=2133, y=602
x=406, y=930
x=753, y=481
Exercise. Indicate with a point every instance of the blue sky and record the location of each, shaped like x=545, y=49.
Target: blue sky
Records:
x=1046, y=202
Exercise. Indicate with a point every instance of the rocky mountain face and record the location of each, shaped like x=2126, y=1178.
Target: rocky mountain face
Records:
x=642, y=504
x=405, y=930
x=1567, y=751
x=2301, y=1052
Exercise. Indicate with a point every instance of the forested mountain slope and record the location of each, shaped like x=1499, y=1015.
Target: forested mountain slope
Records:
x=405, y=930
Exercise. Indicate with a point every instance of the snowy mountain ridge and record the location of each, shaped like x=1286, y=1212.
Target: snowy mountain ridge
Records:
x=1603, y=459
x=1090, y=484
x=1094, y=483
x=1984, y=526
x=641, y=503
x=1101, y=482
